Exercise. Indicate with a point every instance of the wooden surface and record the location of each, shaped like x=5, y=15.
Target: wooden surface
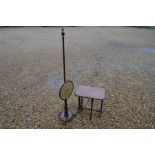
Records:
x=90, y=92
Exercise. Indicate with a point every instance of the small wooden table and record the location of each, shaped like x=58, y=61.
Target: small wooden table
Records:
x=97, y=93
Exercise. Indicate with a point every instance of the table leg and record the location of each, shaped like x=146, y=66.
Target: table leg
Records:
x=92, y=101
x=101, y=107
x=81, y=103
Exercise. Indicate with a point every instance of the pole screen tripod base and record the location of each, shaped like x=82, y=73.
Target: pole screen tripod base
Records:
x=65, y=118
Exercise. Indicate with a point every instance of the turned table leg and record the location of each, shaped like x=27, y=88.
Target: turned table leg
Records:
x=101, y=107
x=92, y=101
x=80, y=102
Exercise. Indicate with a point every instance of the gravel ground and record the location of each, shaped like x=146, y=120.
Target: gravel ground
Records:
x=122, y=59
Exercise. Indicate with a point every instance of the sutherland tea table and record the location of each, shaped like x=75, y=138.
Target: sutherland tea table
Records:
x=92, y=93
